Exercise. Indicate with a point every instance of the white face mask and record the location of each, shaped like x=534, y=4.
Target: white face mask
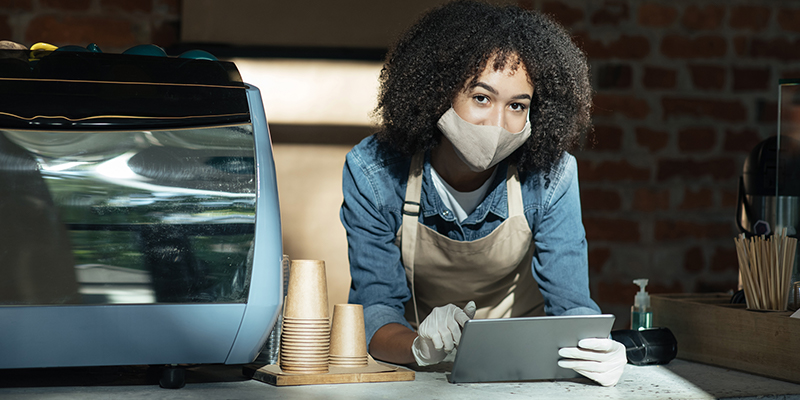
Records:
x=481, y=146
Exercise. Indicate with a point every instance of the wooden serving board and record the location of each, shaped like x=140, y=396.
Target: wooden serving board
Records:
x=374, y=372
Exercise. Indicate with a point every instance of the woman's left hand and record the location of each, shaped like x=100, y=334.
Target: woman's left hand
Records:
x=601, y=360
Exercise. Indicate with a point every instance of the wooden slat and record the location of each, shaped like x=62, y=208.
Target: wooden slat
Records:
x=711, y=331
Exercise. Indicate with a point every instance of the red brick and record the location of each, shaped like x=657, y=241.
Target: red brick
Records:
x=707, y=77
x=740, y=45
x=708, y=46
x=721, y=286
x=5, y=29
x=598, y=257
x=696, y=139
x=728, y=198
x=697, y=199
x=612, y=171
x=790, y=74
x=562, y=13
x=670, y=230
x=71, y=5
x=754, y=18
x=81, y=30
x=656, y=15
x=718, y=169
x=653, y=140
x=659, y=78
x=723, y=110
x=767, y=111
x=606, y=137
x=751, y=79
x=657, y=287
x=165, y=34
x=616, y=292
x=741, y=141
x=145, y=6
x=781, y=48
x=693, y=260
x=626, y=47
x=612, y=12
x=611, y=229
x=708, y=17
x=600, y=200
x=725, y=259
x=647, y=199
x=16, y=5
x=629, y=106
x=617, y=76
x=789, y=19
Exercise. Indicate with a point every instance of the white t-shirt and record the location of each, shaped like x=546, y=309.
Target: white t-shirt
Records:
x=461, y=203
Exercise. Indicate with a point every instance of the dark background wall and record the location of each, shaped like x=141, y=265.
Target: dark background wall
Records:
x=684, y=90
x=114, y=25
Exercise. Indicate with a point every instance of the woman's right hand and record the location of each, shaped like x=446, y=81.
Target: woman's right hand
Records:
x=440, y=333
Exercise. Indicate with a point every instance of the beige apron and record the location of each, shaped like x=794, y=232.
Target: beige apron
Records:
x=494, y=271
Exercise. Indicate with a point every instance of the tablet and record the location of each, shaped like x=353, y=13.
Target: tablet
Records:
x=522, y=349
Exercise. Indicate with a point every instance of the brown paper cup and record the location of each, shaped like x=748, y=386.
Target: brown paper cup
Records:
x=348, y=340
x=307, y=295
x=308, y=321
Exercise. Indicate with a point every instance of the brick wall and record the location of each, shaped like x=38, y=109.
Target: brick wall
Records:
x=114, y=25
x=684, y=90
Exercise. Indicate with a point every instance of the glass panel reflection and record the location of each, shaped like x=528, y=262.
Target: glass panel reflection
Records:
x=787, y=171
x=127, y=217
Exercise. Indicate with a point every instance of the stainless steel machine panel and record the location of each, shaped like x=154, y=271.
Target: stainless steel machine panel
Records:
x=131, y=217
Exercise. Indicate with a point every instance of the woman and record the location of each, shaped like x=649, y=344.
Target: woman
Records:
x=467, y=197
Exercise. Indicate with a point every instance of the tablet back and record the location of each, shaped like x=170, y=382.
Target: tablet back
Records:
x=521, y=349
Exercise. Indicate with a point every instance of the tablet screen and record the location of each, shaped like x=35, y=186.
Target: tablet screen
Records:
x=521, y=349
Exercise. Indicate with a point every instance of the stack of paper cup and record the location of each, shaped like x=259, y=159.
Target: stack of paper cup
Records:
x=306, y=330
x=348, y=340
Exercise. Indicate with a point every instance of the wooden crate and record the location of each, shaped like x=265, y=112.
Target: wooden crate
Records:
x=712, y=331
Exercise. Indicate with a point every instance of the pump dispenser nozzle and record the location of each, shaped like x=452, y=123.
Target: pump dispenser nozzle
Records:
x=642, y=299
x=641, y=316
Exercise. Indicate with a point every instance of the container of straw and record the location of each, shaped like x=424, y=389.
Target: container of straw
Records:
x=765, y=264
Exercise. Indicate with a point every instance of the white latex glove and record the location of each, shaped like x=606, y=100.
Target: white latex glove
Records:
x=601, y=360
x=440, y=333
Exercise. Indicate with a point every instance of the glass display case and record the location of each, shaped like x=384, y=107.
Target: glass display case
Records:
x=133, y=217
x=787, y=172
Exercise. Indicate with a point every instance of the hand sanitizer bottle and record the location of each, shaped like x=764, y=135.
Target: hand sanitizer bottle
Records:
x=641, y=315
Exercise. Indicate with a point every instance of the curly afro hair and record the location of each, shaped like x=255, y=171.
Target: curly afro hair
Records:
x=450, y=46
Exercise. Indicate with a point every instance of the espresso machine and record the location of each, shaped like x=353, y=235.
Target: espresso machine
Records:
x=139, y=211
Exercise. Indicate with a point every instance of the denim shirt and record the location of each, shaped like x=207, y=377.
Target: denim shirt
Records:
x=374, y=186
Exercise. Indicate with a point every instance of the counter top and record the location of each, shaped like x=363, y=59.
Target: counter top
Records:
x=677, y=380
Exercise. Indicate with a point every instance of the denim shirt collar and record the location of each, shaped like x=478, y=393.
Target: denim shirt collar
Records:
x=495, y=202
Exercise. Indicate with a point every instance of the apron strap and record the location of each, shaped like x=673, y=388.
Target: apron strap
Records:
x=514, y=192
x=411, y=210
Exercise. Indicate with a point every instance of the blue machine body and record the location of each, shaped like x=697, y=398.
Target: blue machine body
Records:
x=159, y=231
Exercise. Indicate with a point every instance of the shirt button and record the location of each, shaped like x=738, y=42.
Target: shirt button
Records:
x=446, y=213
